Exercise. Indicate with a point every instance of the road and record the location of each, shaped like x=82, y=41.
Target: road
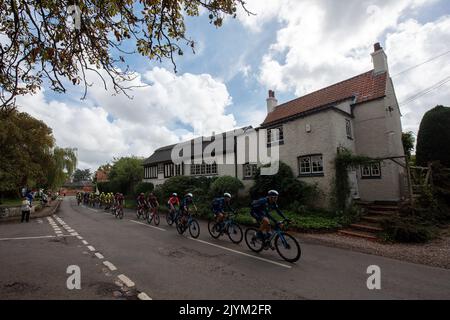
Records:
x=164, y=265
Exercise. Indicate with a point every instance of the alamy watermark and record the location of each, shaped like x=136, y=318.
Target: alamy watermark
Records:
x=374, y=280
x=236, y=147
x=74, y=23
x=74, y=280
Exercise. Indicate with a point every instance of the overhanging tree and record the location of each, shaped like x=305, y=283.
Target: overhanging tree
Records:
x=38, y=43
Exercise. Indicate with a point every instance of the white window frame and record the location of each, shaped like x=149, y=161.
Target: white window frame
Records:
x=314, y=164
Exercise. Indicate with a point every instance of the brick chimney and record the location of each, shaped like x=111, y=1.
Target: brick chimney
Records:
x=379, y=58
x=272, y=102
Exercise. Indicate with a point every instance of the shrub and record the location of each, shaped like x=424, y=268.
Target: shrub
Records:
x=407, y=230
x=226, y=184
x=184, y=184
x=433, y=140
x=287, y=184
x=143, y=187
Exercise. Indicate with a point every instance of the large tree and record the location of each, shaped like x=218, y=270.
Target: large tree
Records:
x=433, y=140
x=408, y=141
x=82, y=175
x=25, y=151
x=62, y=40
x=126, y=173
x=61, y=167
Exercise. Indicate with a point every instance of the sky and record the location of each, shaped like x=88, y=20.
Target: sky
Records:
x=290, y=46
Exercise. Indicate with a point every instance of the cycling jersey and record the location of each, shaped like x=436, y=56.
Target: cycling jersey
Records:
x=261, y=208
x=141, y=200
x=153, y=201
x=186, y=203
x=174, y=201
x=220, y=205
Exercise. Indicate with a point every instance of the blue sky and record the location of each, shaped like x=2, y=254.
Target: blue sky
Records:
x=291, y=46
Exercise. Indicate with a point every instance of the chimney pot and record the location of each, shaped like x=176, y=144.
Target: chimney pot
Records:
x=271, y=102
x=377, y=47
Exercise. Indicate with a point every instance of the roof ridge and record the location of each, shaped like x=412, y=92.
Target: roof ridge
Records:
x=325, y=88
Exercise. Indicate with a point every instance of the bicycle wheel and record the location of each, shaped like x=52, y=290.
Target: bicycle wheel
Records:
x=169, y=218
x=121, y=213
x=253, y=242
x=138, y=214
x=180, y=227
x=235, y=233
x=156, y=219
x=213, y=229
x=287, y=247
x=194, y=229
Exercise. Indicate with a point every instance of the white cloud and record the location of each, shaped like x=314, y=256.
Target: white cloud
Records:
x=141, y=125
x=320, y=42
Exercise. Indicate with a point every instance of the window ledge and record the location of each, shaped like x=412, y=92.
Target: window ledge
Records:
x=311, y=175
x=370, y=178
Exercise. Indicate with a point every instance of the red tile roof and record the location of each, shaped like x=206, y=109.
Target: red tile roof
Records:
x=364, y=87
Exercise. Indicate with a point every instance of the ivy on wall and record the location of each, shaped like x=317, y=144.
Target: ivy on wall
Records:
x=344, y=161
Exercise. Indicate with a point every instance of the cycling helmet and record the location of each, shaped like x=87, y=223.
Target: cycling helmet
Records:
x=273, y=193
x=190, y=195
x=174, y=194
x=227, y=195
x=142, y=194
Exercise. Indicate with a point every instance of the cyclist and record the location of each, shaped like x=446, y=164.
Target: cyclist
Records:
x=220, y=206
x=120, y=200
x=102, y=199
x=78, y=198
x=141, y=203
x=187, y=201
x=260, y=210
x=152, y=203
x=173, y=202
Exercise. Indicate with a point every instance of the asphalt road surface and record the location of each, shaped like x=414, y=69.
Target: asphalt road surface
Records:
x=127, y=259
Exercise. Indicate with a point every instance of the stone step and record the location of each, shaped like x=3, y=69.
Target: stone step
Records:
x=381, y=213
x=366, y=227
x=374, y=218
x=359, y=234
x=383, y=208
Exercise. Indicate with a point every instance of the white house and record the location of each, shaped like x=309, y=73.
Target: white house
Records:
x=361, y=114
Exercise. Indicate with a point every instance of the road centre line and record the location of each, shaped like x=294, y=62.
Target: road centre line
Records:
x=242, y=253
x=110, y=265
x=126, y=280
x=147, y=225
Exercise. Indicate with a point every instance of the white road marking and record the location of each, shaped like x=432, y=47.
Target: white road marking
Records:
x=110, y=265
x=147, y=225
x=30, y=238
x=85, y=242
x=80, y=237
x=143, y=296
x=242, y=253
x=92, y=209
x=26, y=238
x=74, y=234
x=91, y=248
x=99, y=255
x=126, y=280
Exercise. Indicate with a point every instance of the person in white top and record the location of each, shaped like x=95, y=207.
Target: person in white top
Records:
x=26, y=209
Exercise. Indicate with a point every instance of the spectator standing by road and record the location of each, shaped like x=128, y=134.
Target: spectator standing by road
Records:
x=26, y=209
x=29, y=196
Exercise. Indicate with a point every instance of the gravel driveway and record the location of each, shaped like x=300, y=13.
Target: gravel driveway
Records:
x=435, y=253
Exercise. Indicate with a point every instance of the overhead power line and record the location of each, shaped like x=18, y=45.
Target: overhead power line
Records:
x=422, y=63
x=426, y=91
